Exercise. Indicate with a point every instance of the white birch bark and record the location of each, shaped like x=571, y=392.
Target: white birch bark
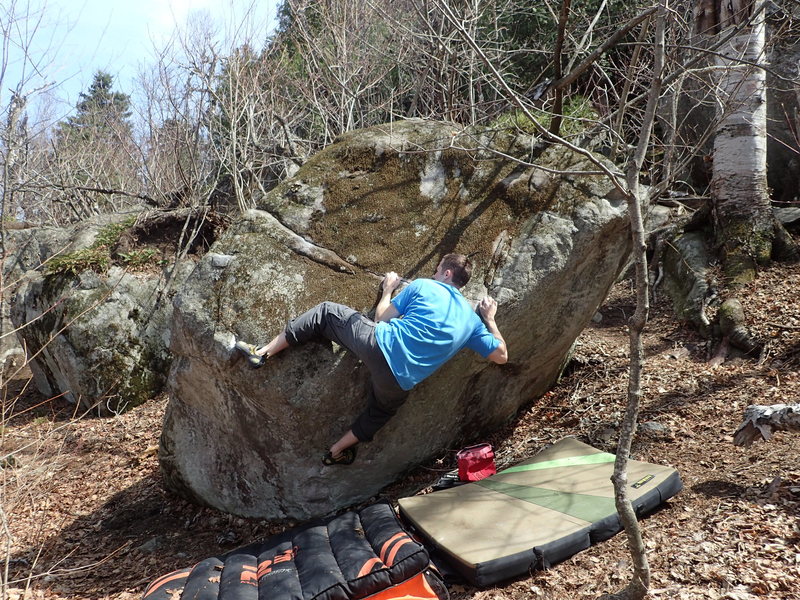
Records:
x=761, y=421
x=739, y=184
x=740, y=147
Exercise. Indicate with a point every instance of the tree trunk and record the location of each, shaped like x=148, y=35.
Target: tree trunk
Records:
x=639, y=584
x=745, y=226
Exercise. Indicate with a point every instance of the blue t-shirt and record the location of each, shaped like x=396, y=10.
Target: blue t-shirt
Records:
x=436, y=322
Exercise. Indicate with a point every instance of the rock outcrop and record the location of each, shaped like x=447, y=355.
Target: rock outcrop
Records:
x=395, y=197
x=28, y=249
x=23, y=249
x=99, y=334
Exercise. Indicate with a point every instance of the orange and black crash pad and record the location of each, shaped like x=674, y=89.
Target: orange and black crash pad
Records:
x=534, y=514
x=364, y=554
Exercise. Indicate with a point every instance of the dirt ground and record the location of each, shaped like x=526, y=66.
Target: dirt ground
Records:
x=85, y=516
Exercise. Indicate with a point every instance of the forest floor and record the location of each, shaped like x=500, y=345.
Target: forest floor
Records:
x=85, y=514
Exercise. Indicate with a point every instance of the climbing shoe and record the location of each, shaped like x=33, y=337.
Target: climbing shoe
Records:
x=448, y=480
x=346, y=457
x=250, y=351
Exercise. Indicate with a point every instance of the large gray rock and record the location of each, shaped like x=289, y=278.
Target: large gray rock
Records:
x=99, y=338
x=24, y=249
x=395, y=197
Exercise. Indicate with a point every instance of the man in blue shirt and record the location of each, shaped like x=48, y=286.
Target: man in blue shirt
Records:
x=425, y=325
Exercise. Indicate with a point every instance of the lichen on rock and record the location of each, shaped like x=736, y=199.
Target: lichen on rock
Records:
x=95, y=334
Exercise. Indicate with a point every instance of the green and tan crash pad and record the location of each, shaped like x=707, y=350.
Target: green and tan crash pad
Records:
x=534, y=514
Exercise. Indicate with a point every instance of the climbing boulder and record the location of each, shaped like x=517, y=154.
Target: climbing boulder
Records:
x=547, y=246
x=94, y=322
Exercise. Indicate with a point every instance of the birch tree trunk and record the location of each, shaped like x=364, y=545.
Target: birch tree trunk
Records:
x=744, y=224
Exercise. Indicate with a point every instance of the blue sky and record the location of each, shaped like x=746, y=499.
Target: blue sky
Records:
x=72, y=39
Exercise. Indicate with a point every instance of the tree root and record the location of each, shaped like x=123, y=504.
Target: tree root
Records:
x=731, y=324
x=784, y=248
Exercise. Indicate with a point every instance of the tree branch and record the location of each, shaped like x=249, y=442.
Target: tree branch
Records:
x=640, y=583
x=517, y=101
x=107, y=191
x=600, y=50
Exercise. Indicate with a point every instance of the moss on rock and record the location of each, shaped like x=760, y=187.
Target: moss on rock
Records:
x=746, y=249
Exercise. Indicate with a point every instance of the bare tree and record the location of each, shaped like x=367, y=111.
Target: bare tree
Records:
x=347, y=63
x=14, y=140
x=93, y=156
x=448, y=79
x=637, y=199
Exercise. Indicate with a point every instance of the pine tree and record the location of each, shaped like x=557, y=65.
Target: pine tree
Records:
x=101, y=112
x=94, y=157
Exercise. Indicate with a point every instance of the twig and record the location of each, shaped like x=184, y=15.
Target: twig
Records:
x=98, y=190
x=102, y=561
x=779, y=326
x=615, y=178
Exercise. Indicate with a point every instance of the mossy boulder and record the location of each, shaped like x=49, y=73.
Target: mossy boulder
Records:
x=93, y=331
x=688, y=280
x=27, y=248
x=395, y=197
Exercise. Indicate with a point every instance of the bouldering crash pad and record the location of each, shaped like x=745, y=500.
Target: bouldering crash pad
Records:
x=534, y=514
x=363, y=554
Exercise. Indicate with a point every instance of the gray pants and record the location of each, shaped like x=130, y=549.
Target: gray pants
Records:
x=354, y=331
